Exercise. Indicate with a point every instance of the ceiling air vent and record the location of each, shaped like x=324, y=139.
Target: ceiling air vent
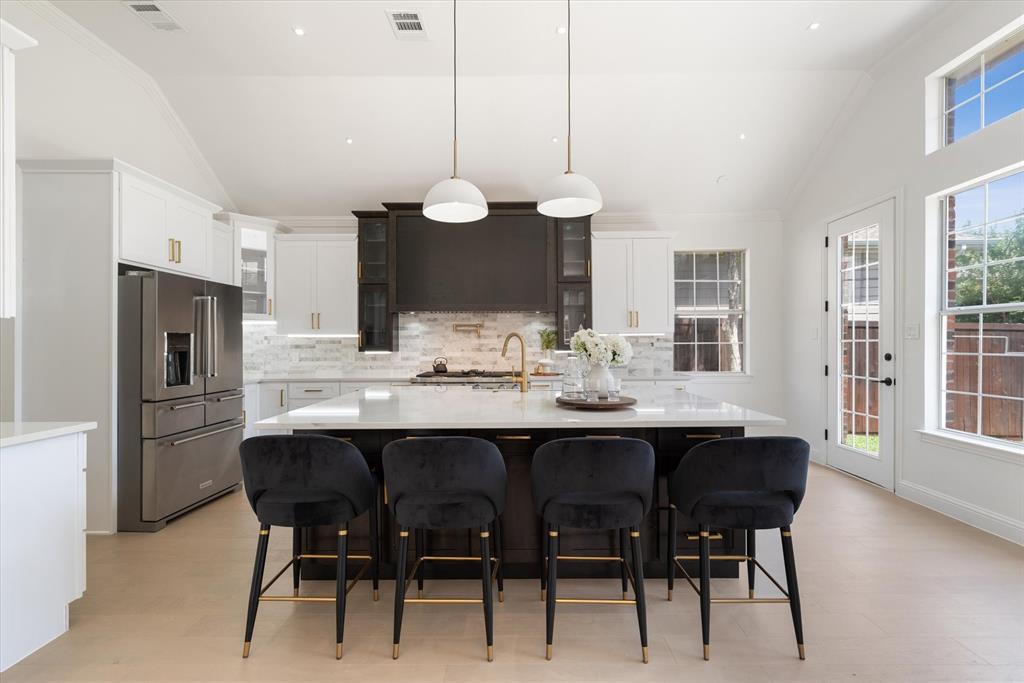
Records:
x=407, y=24
x=151, y=13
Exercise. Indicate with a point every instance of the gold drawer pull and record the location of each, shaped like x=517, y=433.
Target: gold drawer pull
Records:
x=695, y=537
x=703, y=436
x=313, y=391
x=603, y=436
x=513, y=437
x=170, y=250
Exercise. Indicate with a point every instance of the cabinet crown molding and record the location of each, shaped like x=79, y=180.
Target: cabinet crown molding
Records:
x=13, y=38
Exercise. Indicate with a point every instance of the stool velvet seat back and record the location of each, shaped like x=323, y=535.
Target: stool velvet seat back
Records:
x=761, y=479
x=593, y=480
x=305, y=480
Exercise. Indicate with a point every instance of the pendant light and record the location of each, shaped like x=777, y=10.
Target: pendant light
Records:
x=455, y=200
x=569, y=195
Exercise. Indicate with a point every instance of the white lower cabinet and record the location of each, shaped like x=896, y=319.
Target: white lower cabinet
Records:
x=273, y=400
x=316, y=284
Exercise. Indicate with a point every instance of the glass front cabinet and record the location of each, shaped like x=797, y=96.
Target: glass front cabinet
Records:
x=378, y=329
x=376, y=323
x=574, y=272
x=373, y=247
x=255, y=239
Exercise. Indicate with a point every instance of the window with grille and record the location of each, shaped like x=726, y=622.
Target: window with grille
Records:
x=983, y=310
x=984, y=90
x=710, y=312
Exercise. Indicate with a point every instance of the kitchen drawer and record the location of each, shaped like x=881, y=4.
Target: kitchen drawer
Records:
x=171, y=417
x=673, y=444
x=518, y=441
x=603, y=432
x=226, y=405
x=296, y=403
x=182, y=470
x=318, y=390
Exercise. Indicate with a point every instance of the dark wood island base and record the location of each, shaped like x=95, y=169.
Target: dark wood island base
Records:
x=521, y=528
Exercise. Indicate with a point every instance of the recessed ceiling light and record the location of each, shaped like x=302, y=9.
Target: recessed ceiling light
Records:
x=554, y=139
x=299, y=31
x=560, y=30
x=348, y=141
x=743, y=136
x=813, y=26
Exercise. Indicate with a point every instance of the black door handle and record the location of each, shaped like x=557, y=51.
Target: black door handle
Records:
x=888, y=381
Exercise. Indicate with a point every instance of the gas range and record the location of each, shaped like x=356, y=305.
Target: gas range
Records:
x=472, y=376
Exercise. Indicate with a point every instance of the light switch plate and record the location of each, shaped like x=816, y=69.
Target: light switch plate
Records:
x=912, y=331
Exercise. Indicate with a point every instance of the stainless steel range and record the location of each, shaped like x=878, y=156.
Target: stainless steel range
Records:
x=478, y=379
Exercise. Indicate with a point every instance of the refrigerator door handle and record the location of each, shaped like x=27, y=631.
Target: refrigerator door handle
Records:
x=203, y=359
x=211, y=332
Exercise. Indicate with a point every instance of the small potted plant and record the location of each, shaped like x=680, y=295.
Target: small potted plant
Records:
x=548, y=340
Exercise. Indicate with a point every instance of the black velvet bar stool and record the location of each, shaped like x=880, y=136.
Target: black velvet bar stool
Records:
x=599, y=484
x=303, y=481
x=445, y=482
x=744, y=483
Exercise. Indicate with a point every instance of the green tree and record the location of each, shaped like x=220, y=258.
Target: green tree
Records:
x=1005, y=281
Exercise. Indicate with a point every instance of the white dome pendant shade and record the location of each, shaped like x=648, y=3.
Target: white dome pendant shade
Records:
x=569, y=195
x=455, y=200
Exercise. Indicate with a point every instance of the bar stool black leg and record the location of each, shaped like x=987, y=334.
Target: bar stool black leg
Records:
x=670, y=567
x=705, y=587
x=257, y=584
x=485, y=568
x=544, y=543
x=500, y=555
x=623, y=542
x=638, y=576
x=792, y=589
x=375, y=550
x=421, y=550
x=342, y=579
x=296, y=552
x=552, y=576
x=751, y=569
x=400, y=562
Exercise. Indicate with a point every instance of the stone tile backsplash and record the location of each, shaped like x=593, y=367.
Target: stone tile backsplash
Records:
x=423, y=337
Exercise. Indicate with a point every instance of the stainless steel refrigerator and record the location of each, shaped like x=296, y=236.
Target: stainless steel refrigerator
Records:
x=180, y=397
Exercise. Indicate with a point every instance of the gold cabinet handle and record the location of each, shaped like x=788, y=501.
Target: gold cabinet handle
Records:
x=703, y=436
x=603, y=436
x=696, y=537
x=318, y=321
x=360, y=337
x=270, y=306
x=178, y=244
x=170, y=249
x=359, y=270
x=312, y=321
x=637, y=314
x=313, y=391
x=281, y=399
x=513, y=437
x=588, y=267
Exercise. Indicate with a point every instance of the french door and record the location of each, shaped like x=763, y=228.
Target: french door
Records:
x=861, y=344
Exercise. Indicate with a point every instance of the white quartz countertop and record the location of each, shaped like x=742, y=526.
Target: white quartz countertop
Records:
x=335, y=376
x=459, y=407
x=15, y=433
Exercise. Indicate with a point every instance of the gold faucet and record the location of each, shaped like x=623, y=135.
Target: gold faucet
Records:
x=524, y=384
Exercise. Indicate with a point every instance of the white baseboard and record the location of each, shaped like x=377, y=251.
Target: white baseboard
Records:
x=968, y=513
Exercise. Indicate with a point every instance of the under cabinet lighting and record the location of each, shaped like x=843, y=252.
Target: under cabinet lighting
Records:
x=259, y=322
x=377, y=353
x=326, y=336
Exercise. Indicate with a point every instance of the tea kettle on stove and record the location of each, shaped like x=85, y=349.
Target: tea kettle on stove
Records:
x=440, y=364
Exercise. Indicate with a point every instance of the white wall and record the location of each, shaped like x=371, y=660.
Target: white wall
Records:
x=880, y=150
x=760, y=234
x=78, y=98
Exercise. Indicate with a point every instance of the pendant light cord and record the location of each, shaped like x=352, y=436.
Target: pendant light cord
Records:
x=455, y=91
x=568, y=62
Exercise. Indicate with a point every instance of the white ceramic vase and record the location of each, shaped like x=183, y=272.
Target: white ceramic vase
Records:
x=599, y=377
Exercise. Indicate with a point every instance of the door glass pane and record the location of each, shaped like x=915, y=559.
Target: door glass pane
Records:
x=859, y=299
x=374, y=316
x=374, y=247
x=254, y=271
x=574, y=312
x=574, y=248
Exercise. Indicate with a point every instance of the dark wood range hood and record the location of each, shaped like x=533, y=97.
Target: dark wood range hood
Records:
x=515, y=259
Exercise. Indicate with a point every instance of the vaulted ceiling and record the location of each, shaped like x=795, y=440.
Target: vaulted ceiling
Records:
x=662, y=92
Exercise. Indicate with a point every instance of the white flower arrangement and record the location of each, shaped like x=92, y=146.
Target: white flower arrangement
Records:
x=611, y=350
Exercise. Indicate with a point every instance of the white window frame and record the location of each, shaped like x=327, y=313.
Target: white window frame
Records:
x=696, y=313
x=945, y=311
x=935, y=88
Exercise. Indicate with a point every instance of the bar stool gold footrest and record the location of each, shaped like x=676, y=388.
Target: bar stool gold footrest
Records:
x=367, y=561
x=732, y=601
x=419, y=599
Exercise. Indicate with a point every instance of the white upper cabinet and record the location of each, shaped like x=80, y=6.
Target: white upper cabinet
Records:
x=631, y=282
x=316, y=284
x=254, y=265
x=336, y=287
x=162, y=226
x=223, y=254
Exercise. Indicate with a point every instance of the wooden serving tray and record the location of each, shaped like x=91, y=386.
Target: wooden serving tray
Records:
x=599, y=404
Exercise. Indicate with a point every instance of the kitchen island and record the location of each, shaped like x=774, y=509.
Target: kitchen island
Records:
x=671, y=420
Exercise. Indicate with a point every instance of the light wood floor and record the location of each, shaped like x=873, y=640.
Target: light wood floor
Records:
x=891, y=592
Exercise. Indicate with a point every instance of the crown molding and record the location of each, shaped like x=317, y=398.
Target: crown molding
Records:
x=13, y=38
x=318, y=223
x=94, y=44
